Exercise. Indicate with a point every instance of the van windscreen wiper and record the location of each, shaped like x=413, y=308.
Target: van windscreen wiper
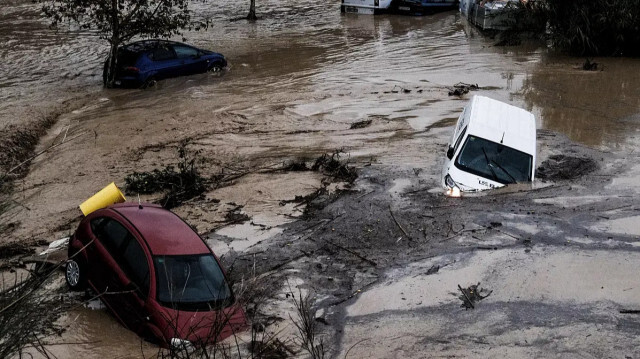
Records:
x=495, y=177
x=505, y=171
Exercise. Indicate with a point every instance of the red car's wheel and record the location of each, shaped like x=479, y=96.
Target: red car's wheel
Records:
x=74, y=274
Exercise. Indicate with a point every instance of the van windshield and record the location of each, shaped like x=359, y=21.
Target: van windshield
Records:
x=494, y=161
x=193, y=282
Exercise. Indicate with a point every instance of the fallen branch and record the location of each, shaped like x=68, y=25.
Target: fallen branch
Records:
x=354, y=253
x=398, y=224
x=466, y=297
x=459, y=233
x=629, y=311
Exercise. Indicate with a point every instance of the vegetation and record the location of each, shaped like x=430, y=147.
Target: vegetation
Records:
x=17, y=146
x=118, y=21
x=179, y=186
x=583, y=27
x=28, y=313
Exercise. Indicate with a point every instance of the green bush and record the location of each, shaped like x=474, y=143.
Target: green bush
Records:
x=583, y=27
x=587, y=27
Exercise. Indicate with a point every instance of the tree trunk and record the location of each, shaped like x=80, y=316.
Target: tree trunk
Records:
x=109, y=74
x=252, y=11
x=110, y=65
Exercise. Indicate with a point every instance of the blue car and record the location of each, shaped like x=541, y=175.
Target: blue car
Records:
x=142, y=63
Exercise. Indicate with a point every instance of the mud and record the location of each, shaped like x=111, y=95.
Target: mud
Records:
x=562, y=167
x=550, y=271
x=303, y=82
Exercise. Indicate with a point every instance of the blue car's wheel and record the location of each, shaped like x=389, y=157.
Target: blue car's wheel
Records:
x=216, y=67
x=150, y=82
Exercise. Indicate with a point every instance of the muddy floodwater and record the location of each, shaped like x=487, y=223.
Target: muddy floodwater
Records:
x=297, y=80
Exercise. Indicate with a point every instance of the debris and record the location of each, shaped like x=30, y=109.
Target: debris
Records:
x=562, y=167
x=433, y=270
x=397, y=89
x=307, y=199
x=296, y=166
x=274, y=349
x=354, y=253
x=588, y=65
x=361, y=124
x=487, y=248
x=471, y=295
x=179, y=186
x=236, y=216
x=56, y=246
x=334, y=167
x=629, y=311
x=398, y=224
x=462, y=88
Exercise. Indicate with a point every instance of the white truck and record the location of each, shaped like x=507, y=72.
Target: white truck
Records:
x=493, y=144
x=488, y=14
x=411, y=7
x=365, y=6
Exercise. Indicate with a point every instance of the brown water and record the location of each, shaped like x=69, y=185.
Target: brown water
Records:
x=298, y=79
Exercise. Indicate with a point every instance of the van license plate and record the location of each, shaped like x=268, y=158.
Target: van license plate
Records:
x=351, y=9
x=404, y=8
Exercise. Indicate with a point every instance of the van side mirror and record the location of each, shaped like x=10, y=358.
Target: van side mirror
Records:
x=450, y=152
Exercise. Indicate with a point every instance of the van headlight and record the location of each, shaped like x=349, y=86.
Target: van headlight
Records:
x=449, y=181
x=452, y=188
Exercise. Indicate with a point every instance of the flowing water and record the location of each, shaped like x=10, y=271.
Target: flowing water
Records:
x=298, y=79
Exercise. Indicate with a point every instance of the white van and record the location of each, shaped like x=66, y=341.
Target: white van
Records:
x=493, y=144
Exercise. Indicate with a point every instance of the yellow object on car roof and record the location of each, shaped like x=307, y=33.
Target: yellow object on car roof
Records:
x=107, y=196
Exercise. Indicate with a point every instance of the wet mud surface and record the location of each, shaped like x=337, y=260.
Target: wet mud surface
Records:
x=557, y=282
x=560, y=256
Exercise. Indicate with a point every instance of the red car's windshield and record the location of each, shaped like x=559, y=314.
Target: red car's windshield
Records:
x=194, y=282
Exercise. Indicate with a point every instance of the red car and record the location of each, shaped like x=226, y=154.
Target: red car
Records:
x=155, y=274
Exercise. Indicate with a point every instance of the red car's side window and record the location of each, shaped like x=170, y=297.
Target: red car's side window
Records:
x=125, y=250
x=134, y=263
x=110, y=233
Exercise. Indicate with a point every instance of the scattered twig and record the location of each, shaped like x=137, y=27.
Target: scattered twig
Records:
x=398, y=224
x=354, y=345
x=466, y=297
x=354, y=253
x=629, y=311
x=365, y=194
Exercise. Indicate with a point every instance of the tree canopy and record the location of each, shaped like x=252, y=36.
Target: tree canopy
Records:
x=121, y=20
x=118, y=21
